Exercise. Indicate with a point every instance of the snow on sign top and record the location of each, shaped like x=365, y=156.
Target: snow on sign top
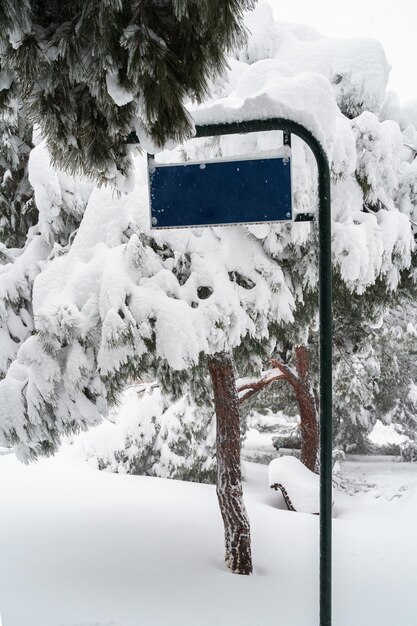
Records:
x=218, y=193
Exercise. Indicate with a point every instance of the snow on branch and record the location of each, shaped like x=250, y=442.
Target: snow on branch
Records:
x=246, y=388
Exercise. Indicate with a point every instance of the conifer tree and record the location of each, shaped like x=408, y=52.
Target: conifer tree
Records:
x=158, y=437
x=17, y=207
x=90, y=71
x=18, y=216
x=364, y=293
x=43, y=228
x=126, y=302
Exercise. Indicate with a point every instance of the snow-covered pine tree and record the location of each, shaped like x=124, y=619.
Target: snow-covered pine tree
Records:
x=18, y=215
x=126, y=302
x=150, y=435
x=378, y=379
x=397, y=343
x=377, y=181
x=374, y=347
x=28, y=237
x=365, y=318
x=17, y=208
x=55, y=204
x=90, y=71
x=368, y=281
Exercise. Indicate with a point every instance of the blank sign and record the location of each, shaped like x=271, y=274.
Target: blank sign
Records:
x=220, y=193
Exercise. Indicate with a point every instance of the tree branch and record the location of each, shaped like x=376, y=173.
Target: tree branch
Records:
x=254, y=386
x=289, y=374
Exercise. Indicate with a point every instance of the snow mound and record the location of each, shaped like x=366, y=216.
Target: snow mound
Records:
x=302, y=486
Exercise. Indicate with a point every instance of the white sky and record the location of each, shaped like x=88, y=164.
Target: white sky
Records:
x=392, y=22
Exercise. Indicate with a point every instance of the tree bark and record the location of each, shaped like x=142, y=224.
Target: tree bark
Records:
x=308, y=411
x=229, y=478
x=299, y=379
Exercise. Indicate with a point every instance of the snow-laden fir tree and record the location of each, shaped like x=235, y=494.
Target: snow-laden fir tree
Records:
x=365, y=275
x=150, y=435
x=90, y=71
x=396, y=399
x=268, y=295
x=56, y=203
x=18, y=215
x=126, y=302
x=17, y=208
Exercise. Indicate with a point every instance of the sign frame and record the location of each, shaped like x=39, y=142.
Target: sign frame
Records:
x=194, y=180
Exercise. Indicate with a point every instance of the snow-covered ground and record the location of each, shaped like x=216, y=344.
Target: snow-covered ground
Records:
x=79, y=547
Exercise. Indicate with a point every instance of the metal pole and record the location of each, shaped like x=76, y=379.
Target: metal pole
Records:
x=325, y=310
x=326, y=426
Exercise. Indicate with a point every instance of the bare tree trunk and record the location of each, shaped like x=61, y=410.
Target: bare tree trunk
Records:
x=229, y=479
x=308, y=411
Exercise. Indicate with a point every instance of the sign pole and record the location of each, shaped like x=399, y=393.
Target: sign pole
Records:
x=325, y=310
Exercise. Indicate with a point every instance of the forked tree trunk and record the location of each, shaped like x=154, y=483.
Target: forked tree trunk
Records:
x=229, y=479
x=299, y=380
x=308, y=411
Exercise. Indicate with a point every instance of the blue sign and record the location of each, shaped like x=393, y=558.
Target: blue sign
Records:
x=219, y=193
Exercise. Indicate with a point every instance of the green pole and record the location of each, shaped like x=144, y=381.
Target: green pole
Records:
x=325, y=310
